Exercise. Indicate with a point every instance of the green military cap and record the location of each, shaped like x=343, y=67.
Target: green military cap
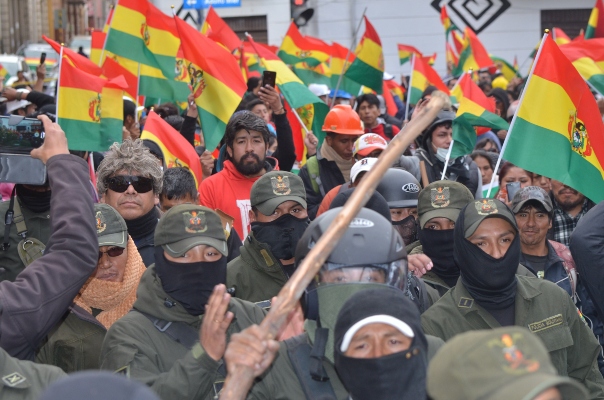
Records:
x=186, y=226
x=479, y=210
x=496, y=364
x=277, y=187
x=442, y=199
x=110, y=226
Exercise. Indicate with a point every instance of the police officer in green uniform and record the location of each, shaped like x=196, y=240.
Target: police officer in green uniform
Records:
x=279, y=218
x=175, y=337
x=503, y=363
x=489, y=294
x=370, y=255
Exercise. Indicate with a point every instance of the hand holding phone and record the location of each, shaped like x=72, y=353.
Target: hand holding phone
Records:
x=269, y=78
x=512, y=189
x=42, y=58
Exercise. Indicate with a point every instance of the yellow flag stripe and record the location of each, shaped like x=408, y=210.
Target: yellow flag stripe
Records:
x=468, y=106
x=228, y=99
x=587, y=67
x=111, y=104
x=128, y=21
x=75, y=103
x=370, y=52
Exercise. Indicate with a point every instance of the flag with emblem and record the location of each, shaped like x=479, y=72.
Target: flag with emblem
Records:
x=216, y=81
x=587, y=57
x=563, y=138
x=89, y=108
x=296, y=48
x=422, y=76
x=595, y=24
x=177, y=151
x=219, y=31
x=405, y=52
x=475, y=110
x=473, y=54
x=367, y=69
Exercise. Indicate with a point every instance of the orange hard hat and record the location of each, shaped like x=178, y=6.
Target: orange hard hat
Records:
x=342, y=119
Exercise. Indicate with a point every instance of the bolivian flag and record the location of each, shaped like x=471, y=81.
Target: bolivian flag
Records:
x=405, y=53
x=337, y=63
x=446, y=21
x=176, y=150
x=430, y=59
x=97, y=42
x=595, y=24
x=587, y=57
x=562, y=138
x=368, y=67
x=473, y=55
x=475, y=110
x=559, y=36
x=310, y=108
x=308, y=74
x=423, y=76
x=296, y=48
x=89, y=109
x=216, y=81
x=219, y=31
x=509, y=71
x=3, y=73
x=452, y=58
x=77, y=60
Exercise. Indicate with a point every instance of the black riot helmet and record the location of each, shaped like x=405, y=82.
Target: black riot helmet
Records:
x=370, y=243
x=399, y=188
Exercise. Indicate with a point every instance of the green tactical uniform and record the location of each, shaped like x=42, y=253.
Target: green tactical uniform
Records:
x=256, y=274
x=38, y=226
x=540, y=306
x=24, y=380
x=135, y=347
x=75, y=344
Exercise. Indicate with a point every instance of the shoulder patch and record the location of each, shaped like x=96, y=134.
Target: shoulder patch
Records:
x=124, y=371
x=546, y=323
x=13, y=379
x=465, y=302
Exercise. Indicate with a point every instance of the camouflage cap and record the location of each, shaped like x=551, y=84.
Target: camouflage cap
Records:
x=110, y=226
x=496, y=364
x=277, y=187
x=186, y=226
x=531, y=193
x=479, y=210
x=442, y=199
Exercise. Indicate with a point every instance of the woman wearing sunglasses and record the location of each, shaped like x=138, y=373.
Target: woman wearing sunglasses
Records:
x=75, y=343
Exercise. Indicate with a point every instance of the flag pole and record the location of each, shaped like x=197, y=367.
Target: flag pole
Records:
x=59, y=81
x=409, y=86
x=138, y=87
x=354, y=40
x=447, y=160
x=507, y=137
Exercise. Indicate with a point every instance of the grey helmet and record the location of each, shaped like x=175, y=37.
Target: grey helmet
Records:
x=399, y=188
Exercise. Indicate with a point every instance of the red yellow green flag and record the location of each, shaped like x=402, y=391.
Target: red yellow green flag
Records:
x=587, y=57
x=559, y=36
x=310, y=108
x=78, y=60
x=475, y=110
x=423, y=76
x=563, y=138
x=89, y=109
x=216, y=81
x=296, y=48
x=473, y=55
x=452, y=59
x=97, y=42
x=219, y=31
x=309, y=74
x=337, y=64
x=176, y=150
x=508, y=70
x=3, y=73
x=368, y=67
x=405, y=52
x=113, y=69
x=430, y=59
x=446, y=21
x=595, y=24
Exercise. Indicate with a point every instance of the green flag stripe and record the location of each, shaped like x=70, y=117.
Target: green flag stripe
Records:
x=213, y=128
x=163, y=88
x=366, y=75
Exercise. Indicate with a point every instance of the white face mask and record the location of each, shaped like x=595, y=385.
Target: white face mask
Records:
x=441, y=154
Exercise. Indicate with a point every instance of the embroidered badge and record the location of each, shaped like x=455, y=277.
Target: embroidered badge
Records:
x=546, y=323
x=280, y=185
x=515, y=361
x=486, y=207
x=440, y=197
x=101, y=225
x=195, y=221
x=13, y=379
x=464, y=302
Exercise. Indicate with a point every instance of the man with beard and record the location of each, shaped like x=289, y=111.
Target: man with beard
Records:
x=246, y=139
x=129, y=179
x=175, y=337
x=569, y=207
x=489, y=295
x=278, y=218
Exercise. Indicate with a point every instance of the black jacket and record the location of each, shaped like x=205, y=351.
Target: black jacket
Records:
x=285, y=153
x=330, y=176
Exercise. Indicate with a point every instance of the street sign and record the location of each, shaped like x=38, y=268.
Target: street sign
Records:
x=221, y=3
x=193, y=4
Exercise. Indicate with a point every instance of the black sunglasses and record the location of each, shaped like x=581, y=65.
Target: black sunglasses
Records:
x=120, y=183
x=112, y=252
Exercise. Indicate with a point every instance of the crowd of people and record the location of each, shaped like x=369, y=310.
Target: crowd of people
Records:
x=442, y=287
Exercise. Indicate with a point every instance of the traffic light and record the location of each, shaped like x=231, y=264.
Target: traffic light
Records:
x=300, y=12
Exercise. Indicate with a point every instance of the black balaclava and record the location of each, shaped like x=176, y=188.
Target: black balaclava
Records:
x=407, y=228
x=35, y=201
x=143, y=225
x=281, y=235
x=491, y=282
x=438, y=245
x=190, y=284
x=399, y=375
